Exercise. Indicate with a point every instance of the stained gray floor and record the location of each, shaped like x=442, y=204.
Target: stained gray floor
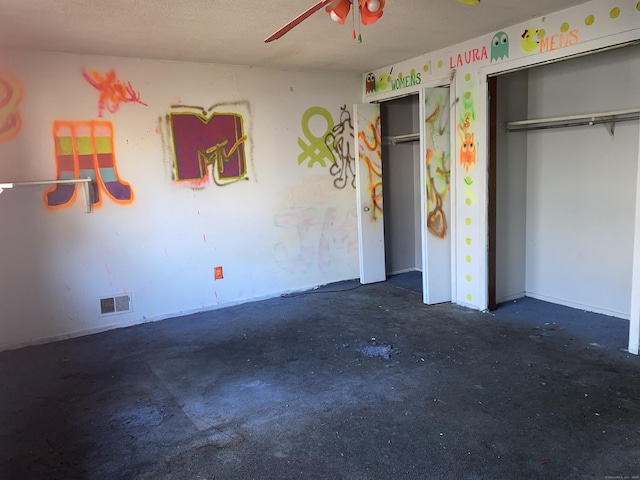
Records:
x=342, y=382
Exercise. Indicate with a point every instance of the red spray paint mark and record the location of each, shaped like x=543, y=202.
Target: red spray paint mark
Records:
x=113, y=92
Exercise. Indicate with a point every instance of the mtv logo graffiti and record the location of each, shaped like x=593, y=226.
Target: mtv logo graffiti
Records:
x=204, y=139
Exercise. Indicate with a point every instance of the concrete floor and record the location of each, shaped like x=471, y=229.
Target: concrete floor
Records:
x=366, y=383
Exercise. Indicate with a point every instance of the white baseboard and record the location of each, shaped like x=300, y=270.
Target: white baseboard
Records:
x=155, y=318
x=405, y=270
x=580, y=306
x=508, y=298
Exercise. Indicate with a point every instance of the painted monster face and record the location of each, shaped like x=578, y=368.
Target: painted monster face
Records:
x=370, y=83
x=500, y=46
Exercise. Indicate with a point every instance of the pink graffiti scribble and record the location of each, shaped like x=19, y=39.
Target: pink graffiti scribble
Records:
x=113, y=92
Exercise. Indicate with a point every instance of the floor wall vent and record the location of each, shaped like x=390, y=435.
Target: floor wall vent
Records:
x=113, y=305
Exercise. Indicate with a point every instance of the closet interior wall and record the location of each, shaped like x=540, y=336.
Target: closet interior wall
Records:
x=401, y=186
x=566, y=196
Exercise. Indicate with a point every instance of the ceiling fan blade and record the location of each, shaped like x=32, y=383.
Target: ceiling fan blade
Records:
x=303, y=16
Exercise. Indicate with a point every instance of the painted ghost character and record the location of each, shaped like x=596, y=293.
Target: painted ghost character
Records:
x=500, y=46
x=529, y=42
x=370, y=84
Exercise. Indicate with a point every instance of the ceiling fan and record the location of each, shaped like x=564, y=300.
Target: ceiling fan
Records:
x=369, y=10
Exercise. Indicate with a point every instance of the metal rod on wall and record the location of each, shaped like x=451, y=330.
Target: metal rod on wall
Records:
x=394, y=140
x=84, y=181
x=574, y=120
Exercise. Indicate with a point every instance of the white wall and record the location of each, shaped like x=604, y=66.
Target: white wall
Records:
x=511, y=187
x=285, y=227
x=399, y=182
x=581, y=184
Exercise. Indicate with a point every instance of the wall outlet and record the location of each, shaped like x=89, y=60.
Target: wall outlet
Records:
x=217, y=273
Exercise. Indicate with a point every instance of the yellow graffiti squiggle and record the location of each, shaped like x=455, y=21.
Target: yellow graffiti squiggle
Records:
x=374, y=169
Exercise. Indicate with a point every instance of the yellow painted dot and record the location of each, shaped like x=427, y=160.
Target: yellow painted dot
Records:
x=589, y=20
x=468, y=278
x=564, y=27
x=400, y=75
x=468, y=201
x=541, y=33
x=439, y=63
x=467, y=221
x=425, y=68
x=615, y=12
x=467, y=77
x=413, y=71
x=468, y=258
x=638, y=6
x=467, y=95
x=469, y=297
x=468, y=241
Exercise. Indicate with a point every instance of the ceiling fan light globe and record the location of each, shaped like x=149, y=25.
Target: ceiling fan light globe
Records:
x=371, y=11
x=339, y=10
x=373, y=5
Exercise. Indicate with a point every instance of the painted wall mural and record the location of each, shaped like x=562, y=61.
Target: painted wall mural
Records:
x=340, y=141
x=314, y=149
x=578, y=25
x=468, y=148
x=437, y=161
x=11, y=93
x=113, y=92
x=369, y=144
x=207, y=141
x=85, y=149
x=335, y=145
x=500, y=47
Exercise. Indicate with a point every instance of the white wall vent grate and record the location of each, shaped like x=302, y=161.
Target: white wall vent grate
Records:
x=112, y=305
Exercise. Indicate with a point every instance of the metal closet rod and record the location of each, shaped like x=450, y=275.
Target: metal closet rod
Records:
x=84, y=181
x=574, y=120
x=394, y=140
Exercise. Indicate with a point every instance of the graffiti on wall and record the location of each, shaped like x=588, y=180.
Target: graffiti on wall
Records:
x=85, y=149
x=437, y=161
x=314, y=149
x=468, y=147
x=500, y=47
x=334, y=145
x=467, y=153
x=318, y=233
x=10, y=98
x=340, y=142
x=312, y=237
x=369, y=145
x=113, y=92
x=207, y=144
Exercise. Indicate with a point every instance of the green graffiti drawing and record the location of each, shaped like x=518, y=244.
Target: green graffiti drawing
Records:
x=316, y=151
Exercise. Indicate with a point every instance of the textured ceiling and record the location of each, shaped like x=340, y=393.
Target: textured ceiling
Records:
x=233, y=31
